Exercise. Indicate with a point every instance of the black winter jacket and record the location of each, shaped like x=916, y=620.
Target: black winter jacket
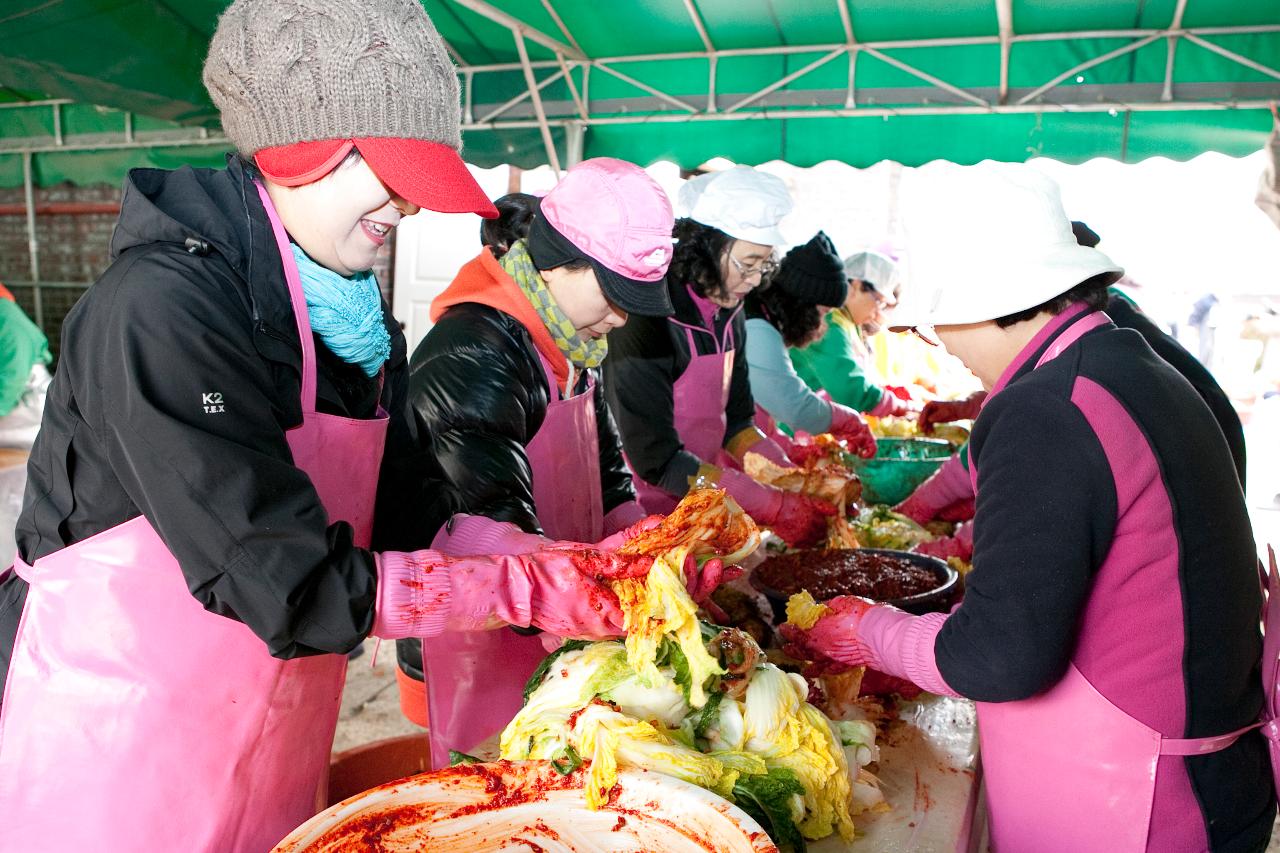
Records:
x=477, y=387
x=195, y=303
x=646, y=357
x=1127, y=316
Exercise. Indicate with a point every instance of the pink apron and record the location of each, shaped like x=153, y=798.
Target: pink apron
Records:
x=1071, y=745
x=699, y=397
x=134, y=720
x=475, y=679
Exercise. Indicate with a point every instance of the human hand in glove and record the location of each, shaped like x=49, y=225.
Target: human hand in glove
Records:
x=798, y=519
x=848, y=425
x=753, y=440
x=563, y=592
x=631, y=531
x=834, y=643
x=801, y=521
x=948, y=486
x=858, y=632
x=959, y=544
x=946, y=411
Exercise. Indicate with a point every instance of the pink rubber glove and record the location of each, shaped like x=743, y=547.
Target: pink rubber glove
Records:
x=848, y=425
x=770, y=449
x=959, y=511
x=756, y=499
x=950, y=484
x=768, y=427
x=945, y=411
x=622, y=516
x=858, y=632
x=801, y=521
x=465, y=535
x=958, y=545
x=423, y=593
x=797, y=519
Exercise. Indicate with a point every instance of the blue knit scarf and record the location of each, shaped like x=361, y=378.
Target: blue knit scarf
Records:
x=346, y=313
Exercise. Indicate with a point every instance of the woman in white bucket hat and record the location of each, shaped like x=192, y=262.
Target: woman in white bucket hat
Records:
x=1109, y=632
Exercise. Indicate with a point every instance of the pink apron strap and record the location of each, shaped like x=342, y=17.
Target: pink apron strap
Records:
x=688, y=334
x=729, y=340
x=299, y=300
x=1203, y=745
x=1271, y=635
x=22, y=570
x=553, y=386
x=1077, y=331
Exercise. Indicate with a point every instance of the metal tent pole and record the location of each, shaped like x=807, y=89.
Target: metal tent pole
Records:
x=33, y=244
x=552, y=157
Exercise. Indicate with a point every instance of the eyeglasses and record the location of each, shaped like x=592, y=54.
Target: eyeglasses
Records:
x=766, y=267
x=931, y=338
x=880, y=298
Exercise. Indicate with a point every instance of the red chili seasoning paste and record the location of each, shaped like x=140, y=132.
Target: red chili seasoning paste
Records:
x=828, y=573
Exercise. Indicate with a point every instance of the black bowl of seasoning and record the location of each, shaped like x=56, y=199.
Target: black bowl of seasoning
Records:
x=912, y=582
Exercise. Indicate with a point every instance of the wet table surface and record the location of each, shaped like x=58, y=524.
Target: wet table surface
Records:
x=928, y=772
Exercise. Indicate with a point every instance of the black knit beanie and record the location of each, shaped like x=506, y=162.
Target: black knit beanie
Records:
x=814, y=273
x=1085, y=235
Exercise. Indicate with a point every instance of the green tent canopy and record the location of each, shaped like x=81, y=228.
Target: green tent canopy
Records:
x=686, y=80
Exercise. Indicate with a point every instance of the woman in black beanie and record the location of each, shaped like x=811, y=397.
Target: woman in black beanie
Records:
x=790, y=313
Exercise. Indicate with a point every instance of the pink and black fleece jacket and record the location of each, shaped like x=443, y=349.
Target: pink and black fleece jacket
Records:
x=1111, y=532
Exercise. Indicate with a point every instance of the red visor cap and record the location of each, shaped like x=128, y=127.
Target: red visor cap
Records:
x=429, y=174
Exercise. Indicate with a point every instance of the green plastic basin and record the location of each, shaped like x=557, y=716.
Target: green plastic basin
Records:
x=899, y=466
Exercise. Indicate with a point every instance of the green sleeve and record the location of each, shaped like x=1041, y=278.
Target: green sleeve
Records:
x=22, y=346
x=828, y=364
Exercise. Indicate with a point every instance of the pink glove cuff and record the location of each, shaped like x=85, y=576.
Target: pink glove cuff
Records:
x=950, y=484
x=623, y=516
x=771, y=450
x=885, y=407
x=845, y=419
x=470, y=535
x=762, y=503
x=413, y=595
x=901, y=644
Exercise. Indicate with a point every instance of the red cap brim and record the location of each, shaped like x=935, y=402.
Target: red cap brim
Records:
x=429, y=174
x=302, y=162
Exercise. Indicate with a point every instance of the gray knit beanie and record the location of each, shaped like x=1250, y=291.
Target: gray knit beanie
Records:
x=286, y=71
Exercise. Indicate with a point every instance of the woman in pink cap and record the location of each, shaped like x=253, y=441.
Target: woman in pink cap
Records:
x=506, y=383
x=195, y=551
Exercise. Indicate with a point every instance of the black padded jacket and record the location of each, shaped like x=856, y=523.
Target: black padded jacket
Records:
x=477, y=387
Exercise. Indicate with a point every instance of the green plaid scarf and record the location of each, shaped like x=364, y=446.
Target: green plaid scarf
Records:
x=581, y=353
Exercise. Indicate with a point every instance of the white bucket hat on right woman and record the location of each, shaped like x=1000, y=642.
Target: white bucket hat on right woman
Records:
x=986, y=241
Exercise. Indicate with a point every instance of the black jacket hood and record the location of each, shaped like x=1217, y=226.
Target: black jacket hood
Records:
x=210, y=207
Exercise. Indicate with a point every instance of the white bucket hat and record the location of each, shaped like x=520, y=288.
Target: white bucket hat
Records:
x=744, y=203
x=875, y=269
x=986, y=241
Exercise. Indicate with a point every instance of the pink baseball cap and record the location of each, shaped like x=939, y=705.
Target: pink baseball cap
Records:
x=614, y=215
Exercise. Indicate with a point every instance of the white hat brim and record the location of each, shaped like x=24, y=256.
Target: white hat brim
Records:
x=763, y=236
x=1009, y=285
